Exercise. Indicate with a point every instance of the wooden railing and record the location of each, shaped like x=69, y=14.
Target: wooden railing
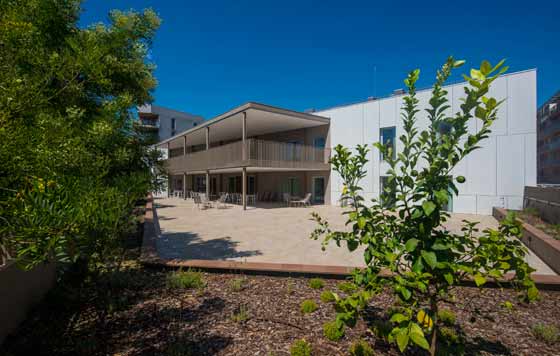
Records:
x=259, y=153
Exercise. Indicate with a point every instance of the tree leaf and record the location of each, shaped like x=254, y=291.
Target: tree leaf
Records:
x=430, y=258
x=419, y=340
x=411, y=244
x=402, y=339
x=479, y=279
x=398, y=318
x=352, y=245
x=428, y=207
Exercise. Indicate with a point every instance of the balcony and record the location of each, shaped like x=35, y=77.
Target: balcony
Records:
x=259, y=153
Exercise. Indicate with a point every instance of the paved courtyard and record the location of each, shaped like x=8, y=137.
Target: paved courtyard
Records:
x=266, y=233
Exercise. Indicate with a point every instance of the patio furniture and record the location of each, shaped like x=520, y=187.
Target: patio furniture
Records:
x=286, y=198
x=251, y=199
x=222, y=201
x=201, y=202
x=303, y=202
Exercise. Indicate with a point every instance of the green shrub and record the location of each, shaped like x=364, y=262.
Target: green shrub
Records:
x=237, y=284
x=332, y=331
x=347, y=287
x=308, y=306
x=316, y=283
x=361, y=348
x=290, y=287
x=448, y=335
x=186, y=279
x=241, y=314
x=547, y=333
x=327, y=297
x=447, y=317
x=300, y=348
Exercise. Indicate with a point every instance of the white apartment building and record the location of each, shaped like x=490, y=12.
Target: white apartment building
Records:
x=164, y=123
x=495, y=174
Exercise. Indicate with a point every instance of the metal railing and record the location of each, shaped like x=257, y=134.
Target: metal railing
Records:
x=259, y=153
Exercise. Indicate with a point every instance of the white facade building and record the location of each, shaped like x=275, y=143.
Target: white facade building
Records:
x=495, y=174
x=165, y=122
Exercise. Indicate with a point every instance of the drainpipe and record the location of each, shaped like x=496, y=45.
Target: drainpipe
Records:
x=244, y=156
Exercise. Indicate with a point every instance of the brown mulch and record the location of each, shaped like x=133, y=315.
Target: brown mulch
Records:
x=147, y=318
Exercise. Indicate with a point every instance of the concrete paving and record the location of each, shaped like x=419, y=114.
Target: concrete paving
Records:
x=266, y=233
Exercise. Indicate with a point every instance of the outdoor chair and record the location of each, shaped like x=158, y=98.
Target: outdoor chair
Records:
x=222, y=201
x=303, y=202
x=200, y=202
x=286, y=198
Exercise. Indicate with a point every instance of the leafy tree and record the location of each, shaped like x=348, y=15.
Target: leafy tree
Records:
x=72, y=167
x=405, y=236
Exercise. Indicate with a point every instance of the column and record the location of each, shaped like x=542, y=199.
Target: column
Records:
x=185, y=185
x=208, y=185
x=244, y=136
x=244, y=189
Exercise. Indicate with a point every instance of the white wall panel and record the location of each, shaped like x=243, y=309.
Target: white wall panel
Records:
x=522, y=102
x=498, y=90
x=347, y=126
x=515, y=203
x=387, y=112
x=485, y=203
x=510, y=165
x=530, y=159
x=465, y=204
x=481, y=169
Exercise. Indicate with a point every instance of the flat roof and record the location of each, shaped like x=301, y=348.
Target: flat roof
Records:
x=245, y=107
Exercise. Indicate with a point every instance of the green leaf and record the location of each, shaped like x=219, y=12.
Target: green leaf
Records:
x=428, y=207
x=362, y=222
x=442, y=196
x=418, y=266
x=419, y=340
x=449, y=278
x=398, y=318
x=458, y=63
x=430, y=258
x=405, y=293
x=485, y=67
x=460, y=179
x=479, y=279
x=411, y=244
x=532, y=293
x=402, y=339
x=352, y=245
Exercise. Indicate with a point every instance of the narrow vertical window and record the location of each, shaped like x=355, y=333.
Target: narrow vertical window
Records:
x=387, y=138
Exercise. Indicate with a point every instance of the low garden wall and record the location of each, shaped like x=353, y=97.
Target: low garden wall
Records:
x=20, y=291
x=543, y=245
x=546, y=200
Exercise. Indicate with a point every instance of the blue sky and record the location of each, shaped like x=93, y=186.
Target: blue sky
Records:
x=214, y=55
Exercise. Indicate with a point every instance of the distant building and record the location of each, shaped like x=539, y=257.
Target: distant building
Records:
x=161, y=123
x=548, y=146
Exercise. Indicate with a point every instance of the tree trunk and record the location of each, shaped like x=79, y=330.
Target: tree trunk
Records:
x=434, y=308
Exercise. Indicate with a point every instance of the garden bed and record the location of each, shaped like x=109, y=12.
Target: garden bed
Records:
x=147, y=317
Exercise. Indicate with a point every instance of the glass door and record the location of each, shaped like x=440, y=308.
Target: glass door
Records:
x=319, y=190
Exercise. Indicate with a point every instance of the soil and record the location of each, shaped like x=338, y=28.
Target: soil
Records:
x=144, y=317
x=533, y=218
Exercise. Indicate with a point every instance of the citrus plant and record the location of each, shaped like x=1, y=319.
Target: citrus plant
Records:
x=402, y=233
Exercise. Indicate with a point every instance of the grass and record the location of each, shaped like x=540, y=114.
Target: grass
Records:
x=347, y=287
x=316, y=283
x=241, y=314
x=301, y=348
x=327, y=297
x=447, y=317
x=532, y=216
x=547, y=333
x=308, y=306
x=189, y=279
x=360, y=348
x=332, y=332
x=238, y=284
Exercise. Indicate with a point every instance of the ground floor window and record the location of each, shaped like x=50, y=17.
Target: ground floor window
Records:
x=200, y=183
x=292, y=186
x=319, y=190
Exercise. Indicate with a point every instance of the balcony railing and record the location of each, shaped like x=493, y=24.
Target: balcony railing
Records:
x=259, y=153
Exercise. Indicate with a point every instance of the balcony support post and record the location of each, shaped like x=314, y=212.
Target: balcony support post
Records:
x=244, y=185
x=184, y=185
x=185, y=145
x=207, y=138
x=208, y=185
x=244, y=136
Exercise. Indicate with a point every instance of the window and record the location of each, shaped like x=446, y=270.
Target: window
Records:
x=319, y=142
x=194, y=124
x=387, y=192
x=173, y=124
x=387, y=139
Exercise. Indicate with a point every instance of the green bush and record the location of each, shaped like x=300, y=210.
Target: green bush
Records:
x=316, y=283
x=308, y=306
x=347, y=287
x=332, y=331
x=447, y=317
x=547, y=333
x=327, y=297
x=185, y=279
x=361, y=348
x=301, y=348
